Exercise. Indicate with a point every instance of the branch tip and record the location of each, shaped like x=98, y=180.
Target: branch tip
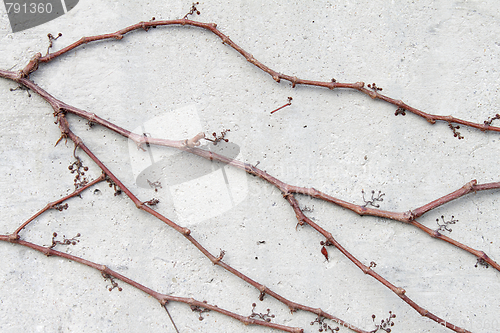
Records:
x=400, y=291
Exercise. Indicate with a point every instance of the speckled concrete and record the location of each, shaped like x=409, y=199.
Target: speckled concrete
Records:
x=173, y=82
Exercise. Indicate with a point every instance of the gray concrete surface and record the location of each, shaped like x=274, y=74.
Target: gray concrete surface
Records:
x=439, y=56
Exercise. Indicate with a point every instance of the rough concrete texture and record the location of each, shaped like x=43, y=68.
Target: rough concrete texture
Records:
x=172, y=82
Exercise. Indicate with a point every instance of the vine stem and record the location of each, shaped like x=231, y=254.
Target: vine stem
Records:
x=212, y=27
x=162, y=298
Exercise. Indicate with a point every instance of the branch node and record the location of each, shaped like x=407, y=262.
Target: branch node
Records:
x=435, y=234
x=13, y=237
x=400, y=291
x=194, y=141
x=262, y=290
x=30, y=67
x=409, y=215
x=470, y=185
x=219, y=258
x=333, y=84
x=47, y=251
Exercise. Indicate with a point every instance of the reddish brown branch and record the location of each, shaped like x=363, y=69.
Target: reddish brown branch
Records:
x=212, y=27
x=436, y=234
x=466, y=189
x=162, y=298
x=287, y=190
x=407, y=217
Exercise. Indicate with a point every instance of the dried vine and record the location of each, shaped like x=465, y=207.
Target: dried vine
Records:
x=290, y=192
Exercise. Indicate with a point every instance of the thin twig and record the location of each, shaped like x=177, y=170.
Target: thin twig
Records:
x=171, y=319
x=281, y=107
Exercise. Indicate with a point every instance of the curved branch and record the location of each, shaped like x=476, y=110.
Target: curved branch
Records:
x=373, y=92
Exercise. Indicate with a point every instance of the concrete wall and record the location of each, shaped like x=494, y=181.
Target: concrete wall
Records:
x=172, y=82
